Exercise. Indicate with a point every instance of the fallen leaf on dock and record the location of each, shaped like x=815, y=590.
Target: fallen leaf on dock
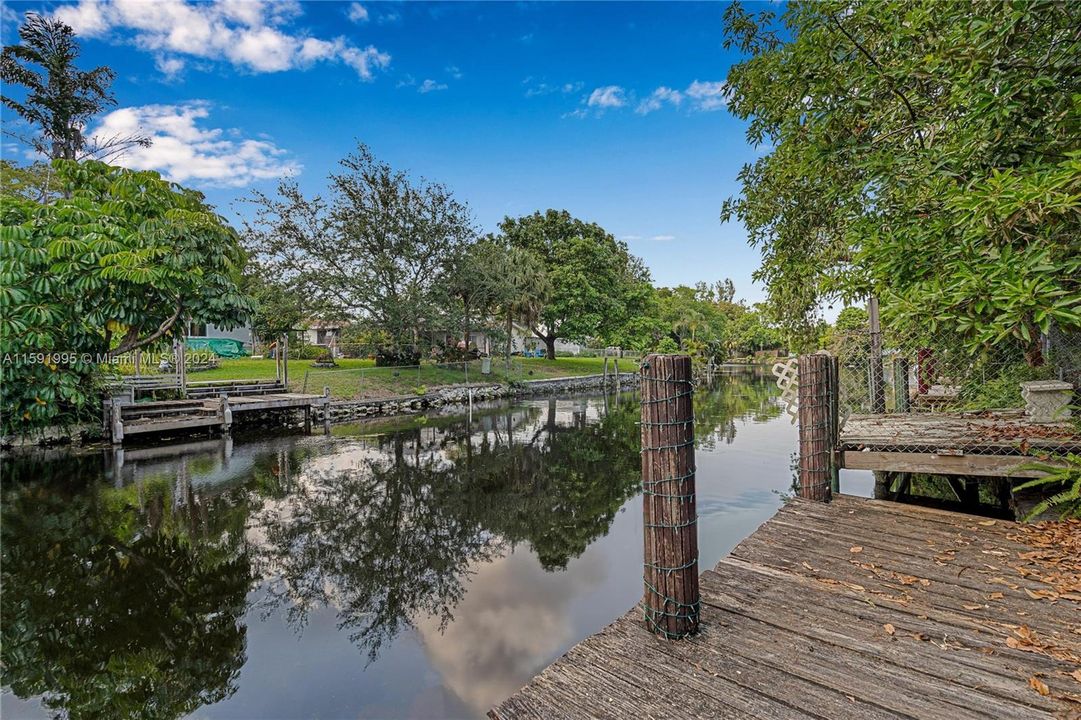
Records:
x=995, y=596
x=890, y=630
x=855, y=549
x=1076, y=675
x=987, y=523
x=973, y=607
x=1039, y=685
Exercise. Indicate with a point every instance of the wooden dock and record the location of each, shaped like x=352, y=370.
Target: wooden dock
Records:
x=987, y=443
x=212, y=409
x=850, y=609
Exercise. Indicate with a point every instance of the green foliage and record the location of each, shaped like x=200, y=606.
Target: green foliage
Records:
x=923, y=152
x=595, y=287
x=277, y=310
x=59, y=100
x=115, y=264
x=1063, y=480
x=108, y=616
x=382, y=248
x=996, y=387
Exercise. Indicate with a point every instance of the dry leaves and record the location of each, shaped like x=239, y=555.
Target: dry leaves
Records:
x=855, y=549
x=1025, y=639
x=1055, y=560
x=1039, y=685
x=890, y=630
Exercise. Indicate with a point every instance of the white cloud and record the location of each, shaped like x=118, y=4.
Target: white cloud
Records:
x=610, y=96
x=185, y=152
x=250, y=34
x=357, y=12
x=663, y=238
x=630, y=238
x=431, y=85
x=707, y=95
x=534, y=89
x=659, y=97
x=170, y=67
x=454, y=72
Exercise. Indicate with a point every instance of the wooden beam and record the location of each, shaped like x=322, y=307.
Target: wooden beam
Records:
x=930, y=463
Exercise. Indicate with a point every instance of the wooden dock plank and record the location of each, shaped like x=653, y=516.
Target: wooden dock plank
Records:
x=795, y=624
x=931, y=432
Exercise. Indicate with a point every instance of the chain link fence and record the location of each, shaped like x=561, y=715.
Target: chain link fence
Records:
x=927, y=392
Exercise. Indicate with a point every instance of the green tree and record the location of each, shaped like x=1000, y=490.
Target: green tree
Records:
x=595, y=286
x=277, y=310
x=106, y=616
x=923, y=152
x=59, y=98
x=379, y=250
x=118, y=263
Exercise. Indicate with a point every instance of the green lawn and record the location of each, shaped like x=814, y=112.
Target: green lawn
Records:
x=361, y=379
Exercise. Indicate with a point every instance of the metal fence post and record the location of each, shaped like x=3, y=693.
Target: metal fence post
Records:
x=878, y=394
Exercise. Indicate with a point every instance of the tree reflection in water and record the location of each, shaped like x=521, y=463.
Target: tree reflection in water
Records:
x=393, y=536
x=112, y=608
x=126, y=590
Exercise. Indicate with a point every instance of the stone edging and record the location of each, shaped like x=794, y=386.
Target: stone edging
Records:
x=340, y=410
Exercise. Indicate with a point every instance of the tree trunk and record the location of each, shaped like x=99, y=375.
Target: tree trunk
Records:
x=510, y=336
x=465, y=328
x=1034, y=354
x=550, y=346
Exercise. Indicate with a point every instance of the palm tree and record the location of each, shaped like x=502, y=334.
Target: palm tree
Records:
x=524, y=288
x=60, y=99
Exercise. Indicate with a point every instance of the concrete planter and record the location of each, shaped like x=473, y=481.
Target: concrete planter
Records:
x=1047, y=400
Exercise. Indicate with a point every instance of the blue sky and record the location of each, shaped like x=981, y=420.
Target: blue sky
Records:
x=613, y=111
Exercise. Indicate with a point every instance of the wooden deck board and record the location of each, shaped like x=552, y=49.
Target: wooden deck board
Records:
x=939, y=432
x=795, y=626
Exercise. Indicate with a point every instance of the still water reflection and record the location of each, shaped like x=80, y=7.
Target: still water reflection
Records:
x=414, y=568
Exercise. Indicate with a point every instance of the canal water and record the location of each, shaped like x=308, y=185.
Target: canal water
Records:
x=411, y=568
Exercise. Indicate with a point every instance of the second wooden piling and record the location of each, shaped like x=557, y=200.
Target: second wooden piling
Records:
x=817, y=425
x=671, y=598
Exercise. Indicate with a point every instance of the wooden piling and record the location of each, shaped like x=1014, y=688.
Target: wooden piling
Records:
x=671, y=597
x=817, y=425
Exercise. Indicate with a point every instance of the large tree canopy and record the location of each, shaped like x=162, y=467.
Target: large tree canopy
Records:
x=379, y=249
x=924, y=152
x=117, y=263
x=595, y=287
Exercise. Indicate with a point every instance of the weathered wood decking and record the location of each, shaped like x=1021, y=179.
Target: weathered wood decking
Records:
x=852, y=609
x=990, y=444
x=206, y=412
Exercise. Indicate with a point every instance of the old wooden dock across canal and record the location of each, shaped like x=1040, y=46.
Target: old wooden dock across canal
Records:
x=837, y=607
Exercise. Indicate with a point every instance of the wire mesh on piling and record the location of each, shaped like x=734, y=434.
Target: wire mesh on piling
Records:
x=660, y=607
x=817, y=411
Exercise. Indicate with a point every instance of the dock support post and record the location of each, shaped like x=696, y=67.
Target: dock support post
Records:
x=326, y=410
x=117, y=423
x=817, y=425
x=226, y=414
x=875, y=379
x=670, y=519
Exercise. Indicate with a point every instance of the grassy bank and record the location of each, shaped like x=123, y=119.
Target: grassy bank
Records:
x=355, y=378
